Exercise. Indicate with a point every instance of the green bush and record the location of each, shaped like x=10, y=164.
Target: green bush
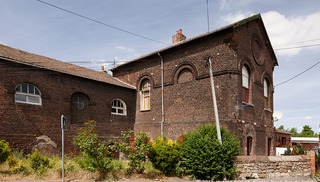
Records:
x=165, y=155
x=4, y=151
x=95, y=154
x=15, y=165
x=38, y=163
x=203, y=156
x=136, y=151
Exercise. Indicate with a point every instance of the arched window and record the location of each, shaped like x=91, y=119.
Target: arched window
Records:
x=145, y=95
x=266, y=93
x=245, y=84
x=118, y=107
x=27, y=93
x=78, y=102
x=185, y=75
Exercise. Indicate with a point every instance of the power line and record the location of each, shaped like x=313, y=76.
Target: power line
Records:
x=297, y=74
x=99, y=22
x=286, y=48
x=312, y=40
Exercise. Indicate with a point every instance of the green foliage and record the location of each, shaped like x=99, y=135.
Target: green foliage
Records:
x=296, y=150
x=306, y=132
x=4, y=151
x=38, y=163
x=165, y=155
x=136, y=150
x=15, y=165
x=95, y=154
x=205, y=158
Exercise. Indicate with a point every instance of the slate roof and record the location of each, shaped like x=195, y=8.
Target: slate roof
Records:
x=23, y=57
x=233, y=25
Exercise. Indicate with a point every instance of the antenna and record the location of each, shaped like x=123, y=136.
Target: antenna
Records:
x=277, y=115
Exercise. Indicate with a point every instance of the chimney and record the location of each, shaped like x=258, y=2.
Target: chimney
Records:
x=178, y=37
x=102, y=69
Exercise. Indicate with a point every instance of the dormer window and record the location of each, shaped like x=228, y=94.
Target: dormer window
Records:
x=27, y=93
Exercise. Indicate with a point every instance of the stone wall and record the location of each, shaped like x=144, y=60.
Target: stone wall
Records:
x=256, y=167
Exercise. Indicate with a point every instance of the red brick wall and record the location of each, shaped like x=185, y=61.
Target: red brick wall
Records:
x=22, y=123
x=189, y=104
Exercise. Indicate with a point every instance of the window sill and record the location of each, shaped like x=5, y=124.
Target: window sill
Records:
x=115, y=114
x=145, y=110
x=247, y=104
x=28, y=103
x=268, y=110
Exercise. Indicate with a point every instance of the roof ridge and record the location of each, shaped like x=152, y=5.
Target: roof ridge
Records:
x=32, y=59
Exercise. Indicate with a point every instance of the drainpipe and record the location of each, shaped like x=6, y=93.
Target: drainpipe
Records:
x=162, y=100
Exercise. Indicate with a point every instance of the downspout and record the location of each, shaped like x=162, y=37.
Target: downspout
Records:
x=162, y=99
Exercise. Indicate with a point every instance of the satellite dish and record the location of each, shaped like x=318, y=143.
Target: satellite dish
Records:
x=277, y=115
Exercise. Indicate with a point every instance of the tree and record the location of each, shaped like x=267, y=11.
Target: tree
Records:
x=294, y=132
x=307, y=132
x=281, y=127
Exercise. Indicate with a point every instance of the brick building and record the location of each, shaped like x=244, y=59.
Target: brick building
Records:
x=174, y=92
x=167, y=91
x=35, y=91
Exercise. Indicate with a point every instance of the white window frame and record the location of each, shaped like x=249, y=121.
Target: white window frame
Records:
x=266, y=94
x=145, y=95
x=118, y=108
x=28, y=95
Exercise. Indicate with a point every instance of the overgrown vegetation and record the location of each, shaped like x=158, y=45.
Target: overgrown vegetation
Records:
x=4, y=151
x=205, y=158
x=197, y=154
x=136, y=150
x=165, y=155
x=296, y=150
x=95, y=153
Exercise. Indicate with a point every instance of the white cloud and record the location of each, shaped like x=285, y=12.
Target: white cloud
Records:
x=284, y=31
x=231, y=18
x=308, y=117
x=224, y=4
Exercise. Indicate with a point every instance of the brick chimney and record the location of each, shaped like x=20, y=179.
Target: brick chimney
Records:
x=178, y=37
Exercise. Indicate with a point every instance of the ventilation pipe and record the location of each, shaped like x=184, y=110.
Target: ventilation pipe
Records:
x=162, y=99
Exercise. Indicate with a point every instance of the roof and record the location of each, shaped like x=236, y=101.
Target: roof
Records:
x=304, y=139
x=23, y=57
x=283, y=132
x=233, y=25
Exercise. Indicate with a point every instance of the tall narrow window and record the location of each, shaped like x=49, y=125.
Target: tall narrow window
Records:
x=249, y=145
x=266, y=93
x=118, y=107
x=245, y=84
x=145, y=95
x=27, y=93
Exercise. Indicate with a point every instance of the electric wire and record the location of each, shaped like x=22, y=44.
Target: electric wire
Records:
x=312, y=40
x=296, y=47
x=297, y=75
x=99, y=22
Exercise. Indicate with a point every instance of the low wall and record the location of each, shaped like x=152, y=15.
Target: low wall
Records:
x=250, y=167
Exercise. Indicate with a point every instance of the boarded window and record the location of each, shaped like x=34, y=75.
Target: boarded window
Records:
x=185, y=75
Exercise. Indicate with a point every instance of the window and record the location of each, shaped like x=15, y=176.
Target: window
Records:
x=145, y=95
x=118, y=107
x=245, y=84
x=249, y=145
x=185, y=75
x=27, y=93
x=266, y=93
x=78, y=102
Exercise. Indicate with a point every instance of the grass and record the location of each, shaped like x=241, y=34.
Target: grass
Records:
x=72, y=171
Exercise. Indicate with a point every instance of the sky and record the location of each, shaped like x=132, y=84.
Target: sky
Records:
x=36, y=27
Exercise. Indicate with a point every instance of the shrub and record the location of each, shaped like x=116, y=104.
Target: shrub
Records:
x=205, y=158
x=4, y=151
x=15, y=165
x=95, y=154
x=296, y=150
x=136, y=151
x=38, y=163
x=165, y=155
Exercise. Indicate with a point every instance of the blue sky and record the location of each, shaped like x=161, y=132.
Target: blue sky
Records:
x=38, y=28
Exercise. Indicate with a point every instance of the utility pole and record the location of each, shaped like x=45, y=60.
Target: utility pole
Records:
x=215, y=103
